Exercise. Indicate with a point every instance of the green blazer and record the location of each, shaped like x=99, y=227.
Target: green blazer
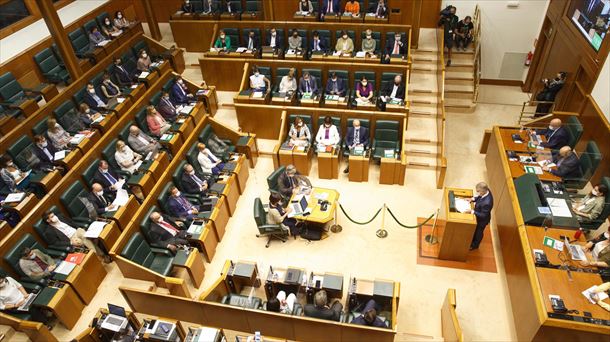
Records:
x=218, y=43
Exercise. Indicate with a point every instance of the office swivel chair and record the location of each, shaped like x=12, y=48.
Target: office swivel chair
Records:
x=272, y=231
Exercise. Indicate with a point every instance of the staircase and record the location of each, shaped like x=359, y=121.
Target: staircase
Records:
x=421, y=137
x=460, y=82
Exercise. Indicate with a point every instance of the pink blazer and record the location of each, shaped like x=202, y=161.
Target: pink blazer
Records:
x=155, y=122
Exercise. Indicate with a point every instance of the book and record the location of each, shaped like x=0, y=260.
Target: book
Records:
x=15, y=197
x=59, y=155
x=75, y=258
x=167, y=137
x=77, y=139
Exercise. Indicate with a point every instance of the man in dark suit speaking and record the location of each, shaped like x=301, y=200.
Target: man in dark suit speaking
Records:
x=483, y=203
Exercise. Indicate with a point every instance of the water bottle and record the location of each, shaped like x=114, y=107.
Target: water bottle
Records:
x=257, y=336
x=578, y=234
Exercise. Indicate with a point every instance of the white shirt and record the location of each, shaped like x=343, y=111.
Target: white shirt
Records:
x=204, y=160
x=64, y=228
x=257, y=81
x=272, y=42
x=10, y=293
x=394, y=90
x=333, y=136
x=287, y=85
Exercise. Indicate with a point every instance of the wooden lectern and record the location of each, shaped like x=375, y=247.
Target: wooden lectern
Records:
x=459, y=227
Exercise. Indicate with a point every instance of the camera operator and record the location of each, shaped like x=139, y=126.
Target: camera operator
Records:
x=449, y=22
x=549, y=92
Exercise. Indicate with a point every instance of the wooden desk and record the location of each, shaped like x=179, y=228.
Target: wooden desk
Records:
x=26, y=106
x=307, y=17
x=359, y=167
x=535, y=238
x=110, y=234
x=210, y=99
x=85, y=278
x=390, y=171
x=241, y=171
x=23, y=207
x=145, y=181
x=241, y=274
x=246, y=145
x=173, y=144
x=283, y=100
x=124, y=214
x=47, y=90
x=193, y=263
x=376, y=19
x=317, y=215
x=332, y=283
x=230, y=192
x=300, y=159
x=64, y=304
x=206, y=241
x=528, y=288
x=517, y=169
x=328, y=164
x=510, y=145
x=49, y=180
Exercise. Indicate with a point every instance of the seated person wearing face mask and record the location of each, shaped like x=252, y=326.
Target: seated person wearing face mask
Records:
x=62, y=231
x=180, y=207
x=101, y=201
x=58, y=135
x=95, y=100
x=126, y=158
x=320, y=308
x=210, y=164
x=592, y=204
x=144, y=61
x=568, y=164
x=598, y=251
x=13, y=295
x=180, y=93
x=192, y=183
x=328, y=135
x=45, y=153
x=110, y=90
x=282, y=303
x=222, y=42
x=295, y=42
x=35, y=264
x=288, y=83
x=274, y=40
x=369, y=316
x=345, y=44
x=142, y=143
x=308, y=84
x=166, y=232
x=335, y=85
x=394, y=48
x=291, y=181
x=88, y=116
x=369, y=45
x=258, y=82
x=106, y=177
x=166, y=108
x=299, y=133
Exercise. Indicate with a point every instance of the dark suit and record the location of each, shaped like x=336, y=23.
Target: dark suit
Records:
x=161, y=237
x=98, y=203
x=482, y=212
x=178, y=95
x=167, y=109
x=122, y=76
x=336, y=6
x=381, y=12
x=92, y=102
x=190, y=186
x=387, y=90
x=340, y=86
x=225, y=7
x=286, y=183
x=333, y=313
x=45, y=161
x=278, y=40
x=104, y=180
x=554, y=139
x=313, y=85
x=207, y=7
x=361, y=321
x=322, y=45
x=568, y=167
x=179, y=210
x=54, y=236
x=255, y=42
x=389, y=47
x=363, y=138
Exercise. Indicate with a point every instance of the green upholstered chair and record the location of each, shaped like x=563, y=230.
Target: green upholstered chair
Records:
x=191, y=156
x=80, y=43
x=388, y=77
x=72, y=201
x=141, y=121
x=342, y=74
x=154, y=100
x=39, y=227
x=89, y=25
x=589, y=161
x=40, y=128
x=101, y=17
x=594, y=224
x=168, y=85
x=370, y=76
x=68, y=117
x=317, y=73
x=145, y=227
x=155, y=259
x=91, y=169
x=253, y=7
x=265, y=229
x=129, y=62
x=22, y=153
x=97, y=79
x=13, y=93
x=245, y=32
x=246, y=302
x=233, y=34
x=272, y=180
x=386, y=138
x=279, y=73
x=205, y=135
x=14, y=254
x=575, y=129
x=50, y=67
x=350, y=33
x=29, y=286
x=7, y=110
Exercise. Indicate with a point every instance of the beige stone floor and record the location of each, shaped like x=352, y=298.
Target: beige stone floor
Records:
x=483, y=304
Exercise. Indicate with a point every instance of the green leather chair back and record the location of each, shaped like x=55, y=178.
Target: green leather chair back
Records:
x=324, y=36
x=363, y=122
x=168, y=85
x=253, y=6
x=177, y=175
x=138, y=250
x=266, y=71
x=70, y=199
x=163, y=196
x=79, y=41
x=376, y=36
x=260, y=216
x=317, y=73
x=154, y=100
x=273, y=179
x=138, y=46
x=145, y=224
x=22, y=153
x=205, y=134
x=370, y=76
x=350, y=33
x=387, y=125
x=335, y=120
x=245, y=32
x=39, y=226
x=90, y=25
x=575, y=129
x=10, y=89
x=606, y=210
x=97, y=79
x=50, y=68
x=129, y=61
x=9, y=111
x=233, y=34
x=64, y=108
x=389, y=37
x=89, y=172
x=108, y=154
x=124, y=133
x=279, y=73
x=14, y=254
x=191, y=156
x=236, y=8
x=79, y=96
x=40, y=128
x=101, y=17
x=141, y=120
x=304, y=39
x=388, y=77
x=589, y=161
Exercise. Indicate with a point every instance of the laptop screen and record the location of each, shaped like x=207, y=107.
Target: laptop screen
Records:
x=303, y=203
x=116, y=310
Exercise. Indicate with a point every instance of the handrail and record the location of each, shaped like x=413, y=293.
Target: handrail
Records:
x=523, y=117
x=441, y=159
x=477, y=53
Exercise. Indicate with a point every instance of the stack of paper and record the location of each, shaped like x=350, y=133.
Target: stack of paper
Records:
x=594, y=297
x=462, y=205
x=186, y=109
x=59, y=155
x=95, y=229
x=360, y=54
x=121, y=197
x=144, y=74
x=15, y=197
x=241, y=49
x=257, y=94
x=337, y=53
x=77, y=139
x=64, y=268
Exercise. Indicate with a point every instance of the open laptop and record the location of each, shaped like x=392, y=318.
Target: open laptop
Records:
x=575, y=250
x=299, y=207
x=26, y=305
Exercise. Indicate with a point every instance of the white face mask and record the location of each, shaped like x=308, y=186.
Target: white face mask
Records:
x=397, y=38
x=43, y=145
x=104, y=170
x=32, y=257
x=272, y=34
x=160, y=218
x=87, y=110
x=300, y=125
x=144, y=55
x=10, y=164
x=192, y=173
x=345, y=37
x=222, y=36
x=607, y=235
x=369, y=37
x=92, y=91
x=107, y=22
x=54, y=219
x=257, y=73
x=594, y=192
x=180, y=81
x=100, y=193
x=120, y=16
x=364, y=83
x=551, y=128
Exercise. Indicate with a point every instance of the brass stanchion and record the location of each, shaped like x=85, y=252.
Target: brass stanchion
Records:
x=336, y=228
x=431, y=238
x=381, y=232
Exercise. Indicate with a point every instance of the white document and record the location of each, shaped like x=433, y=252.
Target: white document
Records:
x=559, y=207
x=241, y=49
x=148, y=156
x=59, y=155
x=462, y=205
x=321, y=196
x=103, y=43
x=257, y=94
x=116, y=34
x=144, y=74
x=95, y=229
x=120, y=99
x=27, y=173
x=15, y=197
x=186, y=109
x=337, y=53
x=121, y=197
x=134, y=86
x=65, y=268
x=77, y=138
x=588, y=293
x=98, y=119
x=360, y=54
x=138, y=164
x=119, y=184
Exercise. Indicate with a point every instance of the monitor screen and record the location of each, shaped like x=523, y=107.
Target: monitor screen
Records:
x=591, y=19
x=303, y=203
x=117, y=310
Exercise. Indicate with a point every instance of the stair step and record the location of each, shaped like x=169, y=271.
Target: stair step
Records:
x=422, y=113
x=459, y=67
x=423, y=68
x=422, y=91
x=421, y=152
x=420, y=141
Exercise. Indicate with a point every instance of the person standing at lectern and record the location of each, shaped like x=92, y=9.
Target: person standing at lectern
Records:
x=483, y=203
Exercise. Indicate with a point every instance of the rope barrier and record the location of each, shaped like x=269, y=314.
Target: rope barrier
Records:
x=356, y=222
x=410, y=227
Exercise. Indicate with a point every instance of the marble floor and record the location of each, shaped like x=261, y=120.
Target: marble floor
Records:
x=483, y=305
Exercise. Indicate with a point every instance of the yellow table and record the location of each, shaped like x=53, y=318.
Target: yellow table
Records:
x=317, y=215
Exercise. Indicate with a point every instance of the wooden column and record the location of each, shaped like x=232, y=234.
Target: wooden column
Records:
x=48, y=12
x=153, y=24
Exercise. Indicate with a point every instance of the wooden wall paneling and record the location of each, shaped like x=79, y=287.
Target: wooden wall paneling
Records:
x=430, y=10
x=556, y=9
x=222, y=72
x=596, y=128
